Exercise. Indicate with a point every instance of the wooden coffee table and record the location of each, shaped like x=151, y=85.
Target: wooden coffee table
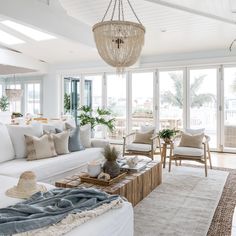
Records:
x=134, y=186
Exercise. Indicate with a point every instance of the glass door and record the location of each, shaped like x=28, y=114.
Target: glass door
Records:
x=171, y=99
x=203, y=101
x=229, y=126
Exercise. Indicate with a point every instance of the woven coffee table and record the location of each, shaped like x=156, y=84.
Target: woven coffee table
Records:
x=134, y=186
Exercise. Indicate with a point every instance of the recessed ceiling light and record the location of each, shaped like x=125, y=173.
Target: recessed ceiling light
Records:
x=28, y=31
x=9, y=39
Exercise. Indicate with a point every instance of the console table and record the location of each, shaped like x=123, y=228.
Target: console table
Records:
x=134, y=186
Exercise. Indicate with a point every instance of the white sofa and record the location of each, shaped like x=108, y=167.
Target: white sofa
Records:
x=47, y=170
x=115, y=222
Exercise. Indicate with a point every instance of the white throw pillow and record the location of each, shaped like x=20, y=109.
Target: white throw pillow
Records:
x=6, y=148
x=85, y=135
x=17, y=134
x=194, y=131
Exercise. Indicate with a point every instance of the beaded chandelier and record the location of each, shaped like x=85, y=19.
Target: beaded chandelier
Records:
x=119, y=42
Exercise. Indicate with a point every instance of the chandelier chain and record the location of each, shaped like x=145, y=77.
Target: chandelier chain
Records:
x=114, y=9
x=134, y=12
x=107, y=10
x=119, y=10
x=122, y=10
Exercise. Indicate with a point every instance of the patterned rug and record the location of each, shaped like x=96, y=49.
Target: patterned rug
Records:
x=212, y=208
x=222, y=220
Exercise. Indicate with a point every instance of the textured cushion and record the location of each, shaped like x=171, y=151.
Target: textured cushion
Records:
x=138, y=147
x=39, y=148
x=74, y=139
x=147, y=128
x=145, y=137
x=17, y=133
x=188, y=151
x=85, y=135
x=61, y=141
x=188, y=140
x=194, y=131
x=6, y=148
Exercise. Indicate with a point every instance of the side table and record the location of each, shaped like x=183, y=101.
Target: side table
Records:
x=164, y=152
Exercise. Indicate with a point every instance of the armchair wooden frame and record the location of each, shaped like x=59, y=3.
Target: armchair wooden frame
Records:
x=155, y=143
x=201, y=159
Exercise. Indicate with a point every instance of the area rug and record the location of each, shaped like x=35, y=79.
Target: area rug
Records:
x=183, y=205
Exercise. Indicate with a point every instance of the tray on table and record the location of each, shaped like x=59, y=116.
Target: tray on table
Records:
x=92, y=180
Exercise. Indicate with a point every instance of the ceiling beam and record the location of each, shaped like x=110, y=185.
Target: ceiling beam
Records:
x=193, y=11
x=48, y=19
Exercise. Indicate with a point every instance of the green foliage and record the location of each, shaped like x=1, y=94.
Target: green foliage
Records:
x=67, y=102
x=4, y=103
x=110, y=153
x=98, y=117
x=167, y=133
x=196, y=99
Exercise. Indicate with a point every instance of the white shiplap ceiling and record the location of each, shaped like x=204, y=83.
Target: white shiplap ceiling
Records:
x=168, y=30
x=184, y=32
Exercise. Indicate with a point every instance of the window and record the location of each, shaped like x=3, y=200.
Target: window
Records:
x=230, y=107
x=1, y=90
x=93, y=91
x=32, y=98
x=203, y=101
x=116, y=102
x=142, y=99
x=171, y=99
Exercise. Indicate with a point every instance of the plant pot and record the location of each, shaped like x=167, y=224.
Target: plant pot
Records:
x=167, y=140
x=112, y=168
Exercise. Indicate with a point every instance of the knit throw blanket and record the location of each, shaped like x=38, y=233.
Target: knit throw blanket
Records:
x=62, y=206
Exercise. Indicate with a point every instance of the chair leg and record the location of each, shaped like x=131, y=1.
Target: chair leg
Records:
x=205, y=167
x=170, y=164
x=209, y=157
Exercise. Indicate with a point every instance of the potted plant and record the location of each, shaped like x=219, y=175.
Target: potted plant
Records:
x=4, y=103
x=167, y=134
x=97, y=117
x=111, y=167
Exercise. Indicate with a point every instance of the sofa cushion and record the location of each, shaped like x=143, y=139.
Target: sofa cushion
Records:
x=143, y=137
x=6, y=147
x=188, y=140
x=138, y=147
x=17, y=134
x=61, y=141
x=39, y=148
x=188, y=151
x=46, y=168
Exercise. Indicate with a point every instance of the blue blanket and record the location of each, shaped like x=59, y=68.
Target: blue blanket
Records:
x=44, y=209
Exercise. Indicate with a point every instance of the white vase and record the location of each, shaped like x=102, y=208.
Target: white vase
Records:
x=94, y=169
x=5, y=117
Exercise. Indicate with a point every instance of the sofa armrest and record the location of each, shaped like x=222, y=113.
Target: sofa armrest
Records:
x=102, y=143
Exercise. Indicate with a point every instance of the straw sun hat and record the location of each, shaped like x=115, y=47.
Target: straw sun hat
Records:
x=26, y=186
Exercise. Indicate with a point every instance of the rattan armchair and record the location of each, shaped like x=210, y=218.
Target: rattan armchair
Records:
x=131, y=148
x=200, y=155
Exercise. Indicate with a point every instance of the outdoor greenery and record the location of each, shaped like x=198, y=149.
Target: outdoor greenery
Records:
x=167, y=133
x=97, y=117
x=196, y=99
x=4, y=103
x=67, y=102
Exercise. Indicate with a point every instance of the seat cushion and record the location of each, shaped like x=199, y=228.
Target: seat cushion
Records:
x=138, y=147
x=17, y=134
x=46, y=168
x=188, y=151
x=6, y=147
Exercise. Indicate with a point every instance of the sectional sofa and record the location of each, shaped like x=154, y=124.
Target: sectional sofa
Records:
x=13, y=155
x=117, y=222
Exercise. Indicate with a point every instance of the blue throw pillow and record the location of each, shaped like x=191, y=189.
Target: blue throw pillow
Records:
x=74, y=144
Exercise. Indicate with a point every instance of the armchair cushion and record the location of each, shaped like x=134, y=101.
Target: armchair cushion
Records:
x=188, y=151
x=188, y=140
x=195, y=131
x=140, y=147
x=145, y=138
